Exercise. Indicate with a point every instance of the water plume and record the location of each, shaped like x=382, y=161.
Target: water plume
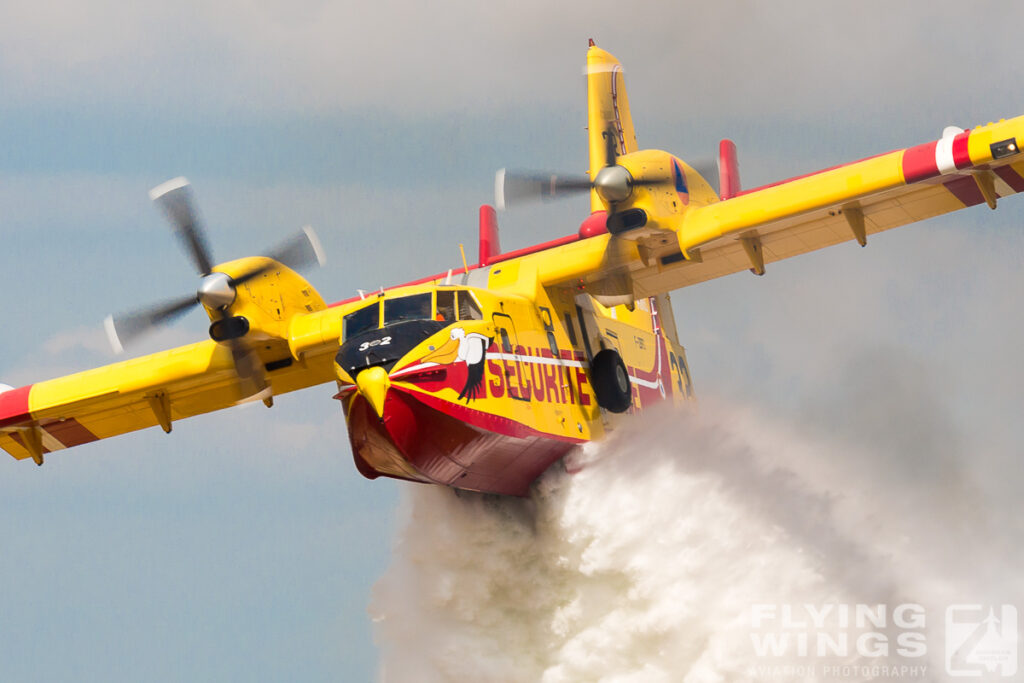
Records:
x=645, y=565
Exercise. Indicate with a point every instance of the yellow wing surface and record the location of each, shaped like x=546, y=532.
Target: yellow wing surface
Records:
x=702, y=241
x=851, y=202
x=687, y=235
x=143, y=392
x=288, y=339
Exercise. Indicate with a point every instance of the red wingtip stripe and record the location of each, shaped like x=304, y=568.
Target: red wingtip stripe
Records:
x=961, y=155
x=919, y=163
x=14, y=406
x=18, y=440
x=966, y=190
x=1010, y=177
x=70, y=432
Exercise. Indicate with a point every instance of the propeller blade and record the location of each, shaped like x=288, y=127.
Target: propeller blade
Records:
x=252, y=381
x=175, y=198
x=216, y=290
x=122, y=329
x=297, y=252
x=651, y=180
x=708, y=170
x=514, y=186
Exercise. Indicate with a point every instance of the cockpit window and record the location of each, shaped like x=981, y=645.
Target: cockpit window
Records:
x=359, y=321
x=445, y=306
x=415, y=307
x=468, y=309
x=451, y=305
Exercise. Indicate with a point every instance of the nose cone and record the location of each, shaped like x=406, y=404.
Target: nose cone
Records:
x=373, y=384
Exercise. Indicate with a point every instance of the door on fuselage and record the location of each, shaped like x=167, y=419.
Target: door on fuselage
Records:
x=516, y=379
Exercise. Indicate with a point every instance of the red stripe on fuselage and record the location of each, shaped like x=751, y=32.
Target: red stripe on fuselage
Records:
x=808, y=175
x=489, y=421
x=661, y=373
x=14, y=406
x=458, y=272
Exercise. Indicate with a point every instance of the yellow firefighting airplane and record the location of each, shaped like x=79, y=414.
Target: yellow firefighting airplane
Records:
x=482, y=377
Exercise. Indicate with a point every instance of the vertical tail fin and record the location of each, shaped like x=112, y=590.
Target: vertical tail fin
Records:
x=609, y=122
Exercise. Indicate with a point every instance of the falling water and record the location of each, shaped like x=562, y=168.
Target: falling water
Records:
x=652, y=561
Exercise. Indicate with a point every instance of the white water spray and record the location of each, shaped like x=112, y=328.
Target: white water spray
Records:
x=647, y=564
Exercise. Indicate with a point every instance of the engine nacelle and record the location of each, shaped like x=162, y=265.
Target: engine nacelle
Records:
x=270, y=300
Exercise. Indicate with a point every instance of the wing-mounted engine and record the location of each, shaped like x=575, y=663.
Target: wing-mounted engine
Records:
x=643, y=193
x=646, y=193
x=250, y=301
x=640, y=197
x=266, y=301
x=255, y=325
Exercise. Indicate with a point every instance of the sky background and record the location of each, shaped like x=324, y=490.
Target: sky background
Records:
x=245, y=546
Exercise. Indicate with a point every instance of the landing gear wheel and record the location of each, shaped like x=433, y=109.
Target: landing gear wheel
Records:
x=611, y=381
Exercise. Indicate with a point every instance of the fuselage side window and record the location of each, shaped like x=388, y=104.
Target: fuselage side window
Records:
x=468, y=308
x=415, y=307
x=445, y=306
x=362, y=320
x=506, y=343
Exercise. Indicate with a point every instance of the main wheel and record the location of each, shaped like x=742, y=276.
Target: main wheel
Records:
x=611, y=381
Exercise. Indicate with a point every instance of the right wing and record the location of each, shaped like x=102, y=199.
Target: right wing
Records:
x=842, y=204
x=157, y=389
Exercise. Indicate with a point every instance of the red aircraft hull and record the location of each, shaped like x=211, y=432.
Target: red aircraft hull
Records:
x=422, y=438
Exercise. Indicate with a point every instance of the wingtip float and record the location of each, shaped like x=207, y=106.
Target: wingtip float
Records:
x=481, y=377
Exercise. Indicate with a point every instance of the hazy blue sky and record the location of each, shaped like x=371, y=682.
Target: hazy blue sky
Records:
x=245, y=545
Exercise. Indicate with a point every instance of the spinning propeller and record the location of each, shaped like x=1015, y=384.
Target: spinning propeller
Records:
x=613, y=183
x=217, y=291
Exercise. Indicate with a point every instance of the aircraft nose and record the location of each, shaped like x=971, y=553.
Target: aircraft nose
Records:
x=373, y=383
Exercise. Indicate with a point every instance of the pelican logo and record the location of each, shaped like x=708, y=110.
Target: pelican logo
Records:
x=981, y=643
x=470, y=348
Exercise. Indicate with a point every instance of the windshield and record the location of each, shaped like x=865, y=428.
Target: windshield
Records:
x=451, y=306
x=359, y=321
x=415, y=307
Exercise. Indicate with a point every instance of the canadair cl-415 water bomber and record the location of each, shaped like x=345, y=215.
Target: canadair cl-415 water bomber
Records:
x=484, y=375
